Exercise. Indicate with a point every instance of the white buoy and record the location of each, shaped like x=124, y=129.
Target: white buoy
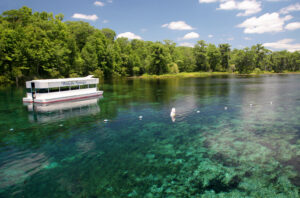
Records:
x=140, y=117
x=225, y=108
x=11, y=129
x=198, y=111
x=271, y=102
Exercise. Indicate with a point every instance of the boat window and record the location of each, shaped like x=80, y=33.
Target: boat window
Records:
x=84, y=86
x=54, y=89
x=28, y=90
x=92, y=85
x=41, y=90
x=66, y=88
x=74, y=87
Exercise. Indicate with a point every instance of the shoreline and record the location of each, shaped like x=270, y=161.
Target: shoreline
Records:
x=203, y=74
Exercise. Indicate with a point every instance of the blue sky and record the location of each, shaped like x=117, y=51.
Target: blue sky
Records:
x=241, y=23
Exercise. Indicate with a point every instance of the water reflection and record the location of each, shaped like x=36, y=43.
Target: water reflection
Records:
x=62, y=110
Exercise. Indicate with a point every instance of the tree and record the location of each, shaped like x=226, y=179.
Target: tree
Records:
x=245, y=61
x=81, y=31
x=159, y=59
x=94, y=53
x=213, y=57
x=186, y=60
x=260, y=56
x=225, y=55
x=200, y=51
x=38, y=45
x=109, y=34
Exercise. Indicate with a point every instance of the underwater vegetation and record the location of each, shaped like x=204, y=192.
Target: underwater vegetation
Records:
x=243, y=151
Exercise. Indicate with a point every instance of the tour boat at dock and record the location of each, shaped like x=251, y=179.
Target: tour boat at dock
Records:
x=58, y=90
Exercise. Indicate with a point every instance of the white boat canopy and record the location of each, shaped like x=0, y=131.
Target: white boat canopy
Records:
x=51, y=83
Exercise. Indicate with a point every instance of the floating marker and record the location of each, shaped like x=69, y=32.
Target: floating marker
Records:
x=225, y=108
x=140, y=117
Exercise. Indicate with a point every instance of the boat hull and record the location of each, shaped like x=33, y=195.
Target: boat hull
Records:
x=62, y=99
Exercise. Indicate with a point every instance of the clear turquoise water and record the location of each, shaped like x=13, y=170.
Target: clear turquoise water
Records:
x=244, y=151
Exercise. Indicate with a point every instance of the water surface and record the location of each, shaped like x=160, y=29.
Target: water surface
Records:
x=232, y=137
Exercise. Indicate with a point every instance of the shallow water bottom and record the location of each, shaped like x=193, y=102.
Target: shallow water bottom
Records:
x=249, y=149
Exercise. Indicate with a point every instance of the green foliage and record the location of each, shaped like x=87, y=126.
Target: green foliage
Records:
x=244, y=61
x=173, y=68
x=39, y=45
x=136, y=70
x=213, y=57
x=257, y=71
x=225, y=55
x=200, y=53
x=159, y=59
x=186, y=60
x=98, y=73
x=109, y=34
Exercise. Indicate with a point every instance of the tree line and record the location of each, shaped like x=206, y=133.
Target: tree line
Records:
x=40, y=45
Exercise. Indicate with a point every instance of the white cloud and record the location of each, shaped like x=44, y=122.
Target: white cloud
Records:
x=186, y=44
x=129, y=35
x=86, y=17
x=105, y=21
x=284, y=44
x=247, y=38
x=177, y=25
x=265, y=23
x=228, y=5
x=207, y=1
x=292, y=26
x=191, y=35
x=210, y=36
x=247, y=6
x=276, y=0
x=290, y=8
x=99, y=3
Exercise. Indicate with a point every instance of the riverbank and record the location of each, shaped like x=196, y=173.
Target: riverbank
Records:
x=204, y=74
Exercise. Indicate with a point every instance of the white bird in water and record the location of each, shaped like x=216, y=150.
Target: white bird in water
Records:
x=140, y=117
x=198, y=111
x=173, y=114
x=250, y=105
x=11, y=129
x=271, y=102
x=105, y=120
x=225, y=108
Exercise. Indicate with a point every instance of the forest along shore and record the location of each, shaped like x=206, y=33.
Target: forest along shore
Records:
x=207, y=74
x=38, y=45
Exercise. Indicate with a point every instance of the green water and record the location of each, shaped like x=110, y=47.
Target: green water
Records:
x=244, y=151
